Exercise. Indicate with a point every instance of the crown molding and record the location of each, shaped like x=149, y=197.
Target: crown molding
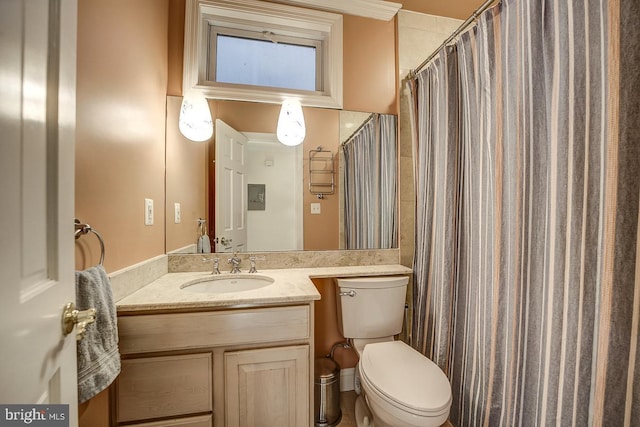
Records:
x=377, y=9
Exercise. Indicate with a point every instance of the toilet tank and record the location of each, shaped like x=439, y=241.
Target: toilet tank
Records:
x=371, y=307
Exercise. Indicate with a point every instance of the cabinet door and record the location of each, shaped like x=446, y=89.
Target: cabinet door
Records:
x=267, y=387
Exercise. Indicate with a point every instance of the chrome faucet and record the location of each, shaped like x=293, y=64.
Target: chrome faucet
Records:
x=216, y=264
x=252, y=260
x=235, y=264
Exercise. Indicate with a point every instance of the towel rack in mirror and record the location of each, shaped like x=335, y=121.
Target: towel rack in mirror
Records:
x=321, y=174
x=86, y=228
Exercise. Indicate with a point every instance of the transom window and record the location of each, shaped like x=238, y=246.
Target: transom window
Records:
x=263, y=52
x=264, y=59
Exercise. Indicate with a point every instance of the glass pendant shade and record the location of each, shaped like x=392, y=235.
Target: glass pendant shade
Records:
x=195, y=118
x=291, y=129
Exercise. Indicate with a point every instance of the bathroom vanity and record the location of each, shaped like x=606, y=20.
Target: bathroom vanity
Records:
x=221, y=359
x=257, y=360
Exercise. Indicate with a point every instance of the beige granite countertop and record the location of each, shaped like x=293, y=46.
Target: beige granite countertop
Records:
x=292, y=285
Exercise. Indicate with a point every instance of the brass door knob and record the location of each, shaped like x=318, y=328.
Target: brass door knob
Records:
x=80, y=318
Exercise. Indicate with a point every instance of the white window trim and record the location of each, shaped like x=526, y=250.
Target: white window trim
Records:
x=376, y=9
x=271, y=15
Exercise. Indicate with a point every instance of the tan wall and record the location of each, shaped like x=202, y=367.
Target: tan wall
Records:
x=370, y=70
x=176, y=47
x=248, y=116
x=186, y=181
x=120, y=139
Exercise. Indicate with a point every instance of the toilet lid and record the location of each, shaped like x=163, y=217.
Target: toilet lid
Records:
x=406, y=377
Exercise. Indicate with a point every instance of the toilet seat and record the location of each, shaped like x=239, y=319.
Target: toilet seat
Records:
x=359, y=344
x=405, y=379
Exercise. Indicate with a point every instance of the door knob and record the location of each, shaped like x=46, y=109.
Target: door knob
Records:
x=79, y=318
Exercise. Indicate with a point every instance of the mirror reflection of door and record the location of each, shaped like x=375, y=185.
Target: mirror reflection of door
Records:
x=257, y=159
x=230, y=195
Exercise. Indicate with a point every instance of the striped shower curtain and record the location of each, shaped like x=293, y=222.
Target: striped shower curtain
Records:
x=370, y=177
x=527, y=166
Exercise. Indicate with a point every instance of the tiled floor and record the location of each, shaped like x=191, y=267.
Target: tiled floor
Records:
x=347, y=405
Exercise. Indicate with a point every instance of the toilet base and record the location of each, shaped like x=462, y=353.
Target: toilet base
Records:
x=363, y=414
x=364, y=417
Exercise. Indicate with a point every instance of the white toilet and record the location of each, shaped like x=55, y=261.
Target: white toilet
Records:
x=401, y=387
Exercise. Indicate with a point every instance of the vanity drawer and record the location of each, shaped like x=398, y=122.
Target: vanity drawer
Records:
x=156, y=387
x=177, y=331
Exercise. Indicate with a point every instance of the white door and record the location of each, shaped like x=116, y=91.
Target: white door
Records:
x=37, y=127
x=231, y=196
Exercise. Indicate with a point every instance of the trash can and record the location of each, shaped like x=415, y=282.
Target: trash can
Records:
x=327, y=392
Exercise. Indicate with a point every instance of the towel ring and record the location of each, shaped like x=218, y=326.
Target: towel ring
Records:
x=86, y=228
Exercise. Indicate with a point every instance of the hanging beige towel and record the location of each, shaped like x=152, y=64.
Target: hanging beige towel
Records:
x=98, y=355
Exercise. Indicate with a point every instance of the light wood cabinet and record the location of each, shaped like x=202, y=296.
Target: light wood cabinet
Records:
x=243, y=368
x=267, y=387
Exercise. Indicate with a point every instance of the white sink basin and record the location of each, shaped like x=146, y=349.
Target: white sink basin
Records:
x=227, y=284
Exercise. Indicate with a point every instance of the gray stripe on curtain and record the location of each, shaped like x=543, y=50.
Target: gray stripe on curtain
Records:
x=526, y=275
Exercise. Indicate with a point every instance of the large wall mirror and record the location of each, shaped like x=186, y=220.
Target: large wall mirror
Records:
x=284, y=214
x=281, y=211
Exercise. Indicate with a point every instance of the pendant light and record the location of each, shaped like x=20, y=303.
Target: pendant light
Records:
x=195, y=117
x=291, y=129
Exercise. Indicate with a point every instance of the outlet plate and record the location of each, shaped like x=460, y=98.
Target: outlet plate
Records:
x=176, y=216
x=148, y=211
x=315, y=208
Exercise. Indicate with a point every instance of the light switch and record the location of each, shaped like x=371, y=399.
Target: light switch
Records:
x=315, y=208
x=176, y=218
x=148, y=211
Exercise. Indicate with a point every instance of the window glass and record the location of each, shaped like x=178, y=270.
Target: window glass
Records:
x=254, y=62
